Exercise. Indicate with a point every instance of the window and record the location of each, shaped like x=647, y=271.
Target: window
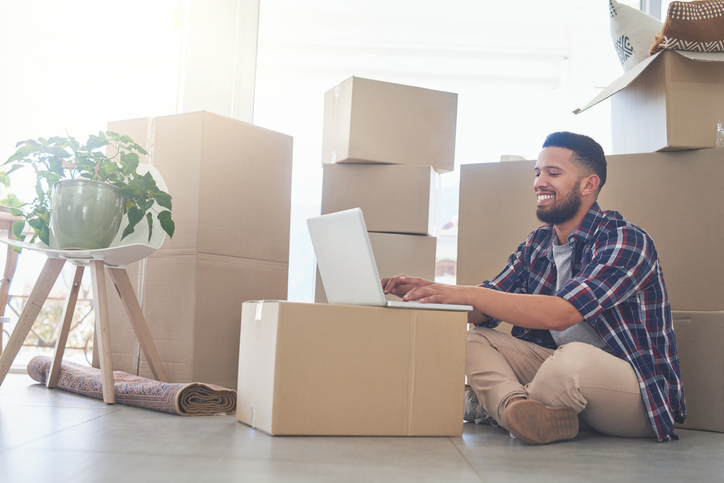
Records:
x=520, y=69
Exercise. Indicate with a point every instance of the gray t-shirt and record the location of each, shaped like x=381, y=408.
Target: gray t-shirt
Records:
x=581, y=332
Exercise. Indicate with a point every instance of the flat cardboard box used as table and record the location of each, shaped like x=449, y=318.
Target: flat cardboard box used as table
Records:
x=320, y=369
x=393, y=199
x=369, y=121
x=675, y=196
x=699, y=336
x=230, y=182
x=395, y=254
x=192, y=304
x=672, y=100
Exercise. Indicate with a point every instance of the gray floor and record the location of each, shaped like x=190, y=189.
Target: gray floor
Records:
x=51, y=435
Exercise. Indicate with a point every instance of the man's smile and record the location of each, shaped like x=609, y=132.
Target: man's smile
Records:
x=543, y=197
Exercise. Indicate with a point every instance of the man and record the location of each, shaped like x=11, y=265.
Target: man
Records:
x=593, y=334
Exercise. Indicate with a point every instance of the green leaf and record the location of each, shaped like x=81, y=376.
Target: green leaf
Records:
x=134, y=216
x=15, y=204
x=44, y=235
x=149, y=218
x=41, y=229
x=130, y=161
x=130, y=191
x=24, y=150
x=142, y=183
x=167, y=223
x=18, y=228
x=145, y=205
x=15, y=168
x=95, y=142
x=164, y=200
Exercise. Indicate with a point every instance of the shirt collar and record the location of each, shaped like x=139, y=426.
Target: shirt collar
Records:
x=585, y=230
x=589, y=224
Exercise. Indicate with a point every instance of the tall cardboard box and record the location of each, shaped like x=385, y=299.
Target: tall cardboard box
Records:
x=231, y=188
x=369, y=121
x=230, y=182
x=674, y=196
x=496, y=214
x=395, y=254
x=394, y=199
x=319, y=369
x=672, y=100
x=699, y=336
x=192, y=304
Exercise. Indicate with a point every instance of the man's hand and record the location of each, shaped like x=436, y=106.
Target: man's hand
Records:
x=424, y=291
x=410, y=288
x=398, y=285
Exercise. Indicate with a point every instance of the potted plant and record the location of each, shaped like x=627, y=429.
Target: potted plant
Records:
x=108, y=162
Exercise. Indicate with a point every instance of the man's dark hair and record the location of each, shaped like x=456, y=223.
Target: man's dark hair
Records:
x=586, y=151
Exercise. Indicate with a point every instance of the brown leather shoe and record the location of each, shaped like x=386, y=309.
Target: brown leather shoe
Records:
x=534, y=423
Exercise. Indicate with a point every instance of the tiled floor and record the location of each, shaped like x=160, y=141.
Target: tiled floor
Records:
x=51, y=435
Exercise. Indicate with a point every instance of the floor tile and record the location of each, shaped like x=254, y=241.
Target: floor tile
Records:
x=592, y=456
x=52, y=435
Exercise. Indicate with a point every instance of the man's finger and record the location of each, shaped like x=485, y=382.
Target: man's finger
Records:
x=420, y=282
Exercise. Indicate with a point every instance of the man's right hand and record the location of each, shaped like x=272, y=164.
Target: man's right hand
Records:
x=396, y=285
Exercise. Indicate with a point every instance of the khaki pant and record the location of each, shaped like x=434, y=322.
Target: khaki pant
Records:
x=600, y=387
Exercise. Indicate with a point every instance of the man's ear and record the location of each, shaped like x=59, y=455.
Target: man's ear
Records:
x=590, y=184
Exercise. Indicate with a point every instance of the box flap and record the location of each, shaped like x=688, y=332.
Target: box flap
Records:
x=632, y=74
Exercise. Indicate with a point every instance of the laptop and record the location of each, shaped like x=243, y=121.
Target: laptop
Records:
x=347, y=264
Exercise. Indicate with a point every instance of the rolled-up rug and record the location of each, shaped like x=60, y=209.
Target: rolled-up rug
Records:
x=192, y=399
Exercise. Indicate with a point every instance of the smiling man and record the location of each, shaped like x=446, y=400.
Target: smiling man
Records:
x=592, y=330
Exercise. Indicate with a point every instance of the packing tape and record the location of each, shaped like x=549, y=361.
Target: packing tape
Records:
x=151, y=139
x=259, y=308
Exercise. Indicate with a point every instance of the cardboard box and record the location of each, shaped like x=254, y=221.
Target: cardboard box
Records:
x=674, y=196
x=192, y=304
x=496, y=214
x=699, y=336
x=672, y=100
x=395, y=254
x=230, y=182
x=394, y=199
x=368, y=121
x=319, y=369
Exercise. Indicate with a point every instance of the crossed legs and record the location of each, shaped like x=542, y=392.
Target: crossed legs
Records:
x=601, y=388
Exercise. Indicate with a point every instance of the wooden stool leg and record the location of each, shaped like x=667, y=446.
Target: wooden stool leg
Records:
x=65, y=321
x=37, y=298
x=103, y=333
x=11, y=263
x=120, y=279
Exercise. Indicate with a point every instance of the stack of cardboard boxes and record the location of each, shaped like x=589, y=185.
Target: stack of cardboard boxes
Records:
x=384, y=146
x=231, y=188
x=329, y=369
x=666, y=179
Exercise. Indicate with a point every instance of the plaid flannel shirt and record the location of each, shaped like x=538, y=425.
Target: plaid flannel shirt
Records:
x=618, y=287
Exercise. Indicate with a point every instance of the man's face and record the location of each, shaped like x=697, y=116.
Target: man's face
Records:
x=557, y=186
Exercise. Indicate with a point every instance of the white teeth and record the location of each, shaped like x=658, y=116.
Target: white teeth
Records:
x=545, y=197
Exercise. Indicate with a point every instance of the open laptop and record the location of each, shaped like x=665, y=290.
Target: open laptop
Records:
x=347, y=264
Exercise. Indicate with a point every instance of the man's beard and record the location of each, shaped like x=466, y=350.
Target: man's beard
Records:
x=563, y=210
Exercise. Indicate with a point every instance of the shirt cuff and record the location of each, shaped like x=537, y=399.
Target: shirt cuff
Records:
x=582, y=298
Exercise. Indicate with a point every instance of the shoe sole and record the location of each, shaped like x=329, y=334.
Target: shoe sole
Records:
x=534, y=423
